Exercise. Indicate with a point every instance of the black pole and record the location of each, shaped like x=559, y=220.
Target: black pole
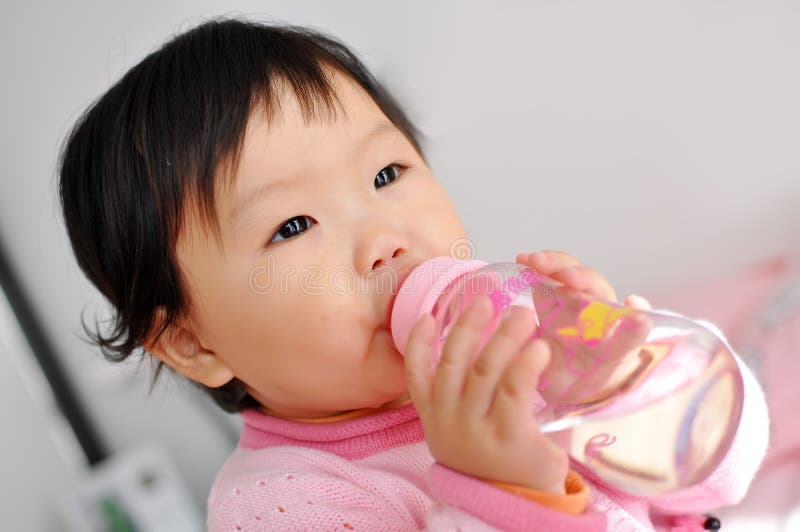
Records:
x=68, y=402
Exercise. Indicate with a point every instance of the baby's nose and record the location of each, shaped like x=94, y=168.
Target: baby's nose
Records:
x=378, y=262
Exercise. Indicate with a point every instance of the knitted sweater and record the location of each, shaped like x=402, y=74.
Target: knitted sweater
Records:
x=373, y=471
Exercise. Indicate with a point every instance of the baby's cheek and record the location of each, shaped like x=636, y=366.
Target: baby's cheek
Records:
x=448, y=223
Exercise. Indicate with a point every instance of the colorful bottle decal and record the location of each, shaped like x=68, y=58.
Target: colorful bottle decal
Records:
x=594, y=322
x=592, y=325
x=595, y=444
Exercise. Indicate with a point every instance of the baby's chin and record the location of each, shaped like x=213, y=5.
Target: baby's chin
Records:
x=390, y=375
x=402, y=399
x=396, y=360
x=382, y=369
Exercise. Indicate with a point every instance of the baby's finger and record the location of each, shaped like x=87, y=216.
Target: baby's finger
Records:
x=549, y=260
x=630, y=334
x=588, y=281
x=504, y=346
x=419, y=350
x=552, y=262
x=637, y=302
x=515, y=394
x=462, y=342
x=631, y=330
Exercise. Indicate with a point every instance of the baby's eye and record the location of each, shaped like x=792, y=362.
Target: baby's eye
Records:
x=292, y=227
x=388, y=174
x=297, y=225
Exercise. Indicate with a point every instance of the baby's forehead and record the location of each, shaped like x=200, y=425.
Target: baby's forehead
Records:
x=286, y=130
x=289, y=138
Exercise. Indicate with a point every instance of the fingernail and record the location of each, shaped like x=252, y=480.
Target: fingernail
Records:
x=522, y=310
x=428, y=329
x=475, y=306
x=537, y=257
x=636, y=300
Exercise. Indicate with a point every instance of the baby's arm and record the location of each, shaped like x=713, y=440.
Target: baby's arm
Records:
x=728, y=484
x=459, y=497
x=295, y=488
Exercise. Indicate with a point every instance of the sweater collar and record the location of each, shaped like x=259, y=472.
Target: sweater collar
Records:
x=350, y=438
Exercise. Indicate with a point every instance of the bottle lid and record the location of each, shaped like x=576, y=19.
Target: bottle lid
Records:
x=419, y=292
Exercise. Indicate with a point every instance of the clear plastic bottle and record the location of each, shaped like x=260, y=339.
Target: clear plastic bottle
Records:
x=648, y=400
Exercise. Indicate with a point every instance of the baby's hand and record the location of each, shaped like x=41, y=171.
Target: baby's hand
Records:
x=476, y=405
x=621, y=345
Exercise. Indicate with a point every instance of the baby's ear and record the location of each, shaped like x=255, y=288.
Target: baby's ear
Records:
x=179, y=348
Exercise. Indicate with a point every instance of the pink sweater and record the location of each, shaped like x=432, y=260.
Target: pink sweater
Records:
x=376, y=473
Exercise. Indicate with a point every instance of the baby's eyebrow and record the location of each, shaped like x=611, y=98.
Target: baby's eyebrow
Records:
x=376, y=131
x=253, y=196
x=249, y=198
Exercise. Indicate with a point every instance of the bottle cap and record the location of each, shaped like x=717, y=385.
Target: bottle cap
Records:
x=421, y=289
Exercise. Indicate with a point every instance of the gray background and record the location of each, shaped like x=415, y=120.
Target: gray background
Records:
x=657, y=142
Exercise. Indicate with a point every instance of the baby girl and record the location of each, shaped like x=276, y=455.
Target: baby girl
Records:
x=240, y=197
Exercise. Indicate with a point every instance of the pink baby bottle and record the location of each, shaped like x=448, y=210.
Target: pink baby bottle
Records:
x=648, y=400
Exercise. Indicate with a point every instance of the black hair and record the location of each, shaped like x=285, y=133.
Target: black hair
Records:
x=158, y=138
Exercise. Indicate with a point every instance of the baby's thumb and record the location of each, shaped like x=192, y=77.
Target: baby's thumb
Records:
x=418, y=359
x=533, y=361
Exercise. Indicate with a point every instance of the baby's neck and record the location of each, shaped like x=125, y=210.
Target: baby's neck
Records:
x=344, y=414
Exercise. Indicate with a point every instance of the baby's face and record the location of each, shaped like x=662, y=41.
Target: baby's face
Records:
x=295, y=305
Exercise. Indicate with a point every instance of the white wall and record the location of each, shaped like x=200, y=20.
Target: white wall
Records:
x=38, y=454
x=657, y=142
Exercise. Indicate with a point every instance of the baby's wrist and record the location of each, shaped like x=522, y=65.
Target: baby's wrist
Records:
x=557, y=487
x=570, y=496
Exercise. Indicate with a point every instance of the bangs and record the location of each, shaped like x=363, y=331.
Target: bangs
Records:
x=210, y=82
